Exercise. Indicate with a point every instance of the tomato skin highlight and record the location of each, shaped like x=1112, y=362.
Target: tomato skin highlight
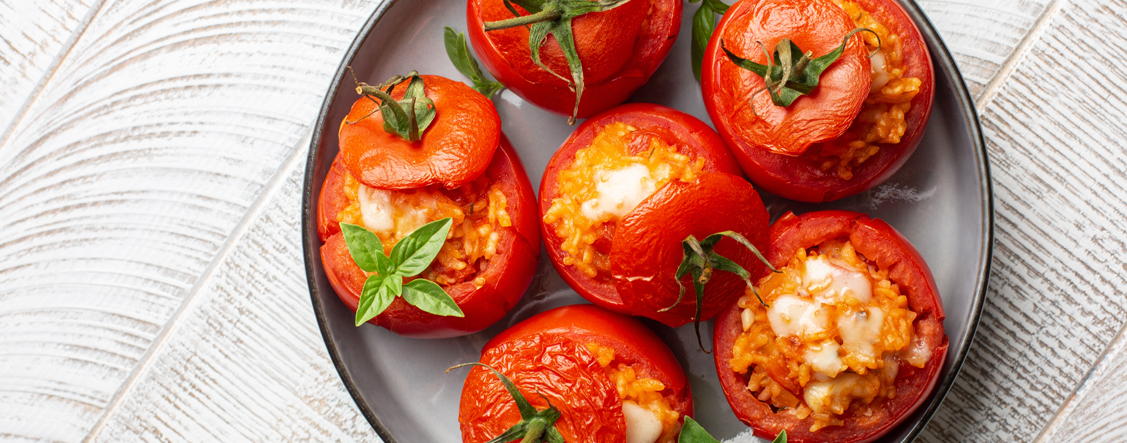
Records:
x=454, y=150
x=647, y=246
x=882, y=244
x=693, y=138
x=799, y=177
x=620, y=49
x=522, y=346
x=507, y=275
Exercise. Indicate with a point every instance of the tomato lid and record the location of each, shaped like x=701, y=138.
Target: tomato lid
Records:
x=454, y=150
x=818, y=27
x=712, y=203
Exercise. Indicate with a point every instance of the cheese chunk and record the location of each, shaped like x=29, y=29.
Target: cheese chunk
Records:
x=824, y=358
x=834, y=395
x=618, y=191
x=830, y=283
x=880, y=75
x=794, y=315
x=642, y=426
x=860, y=330
x=376, y=209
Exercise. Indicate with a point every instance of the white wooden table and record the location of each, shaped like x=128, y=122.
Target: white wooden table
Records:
x=151, y=280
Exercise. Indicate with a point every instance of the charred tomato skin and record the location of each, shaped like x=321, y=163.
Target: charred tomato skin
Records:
x=799, y=177
x=506, y=277
x=620, y=49
x=882, y=244
x=543, y=348
x=694, y=138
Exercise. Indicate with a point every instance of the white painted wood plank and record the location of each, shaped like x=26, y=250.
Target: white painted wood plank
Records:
x=1056, y=300
x=1097, y=412
x=127, y=174
x=247, y=364
x=982, y=36
x=33, y=36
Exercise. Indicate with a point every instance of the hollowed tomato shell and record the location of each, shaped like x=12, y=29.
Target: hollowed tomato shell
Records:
x=799, y=177
x=454, y=150
x=883, y=245
x=543, y=350
x=507, y=275
x=620, y=49
x=692, y=137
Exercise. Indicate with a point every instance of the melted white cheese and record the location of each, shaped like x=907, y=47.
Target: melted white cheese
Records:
x=860, y=330
x=794, y=315
x=376, y=209
x=830, y=283
x=381, y=214
x=880, y=71
x=824, y=358
x=642, y=426
x=618, y=192
x=835, y=395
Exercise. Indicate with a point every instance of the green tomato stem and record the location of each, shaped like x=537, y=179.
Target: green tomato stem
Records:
x=542, y=16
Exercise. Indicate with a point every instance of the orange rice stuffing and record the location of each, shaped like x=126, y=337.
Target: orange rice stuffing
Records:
x=645, y=392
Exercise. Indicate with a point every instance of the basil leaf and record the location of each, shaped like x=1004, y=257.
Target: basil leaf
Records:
x=374, y=299
x=781, y=438
x=693, y=432
x=366, y=249
x=414, y=252
x=463, y=59
x=430, y=297
x=704, y=23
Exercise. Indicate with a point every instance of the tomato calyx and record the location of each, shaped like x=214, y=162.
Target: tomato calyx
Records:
x=408, y=117
x=534, y=426
x=793, y=73
x=554, y=17
x=699, y=261
x=409, y=257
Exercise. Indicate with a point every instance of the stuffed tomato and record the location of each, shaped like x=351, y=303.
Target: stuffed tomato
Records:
x=622, y=194
x=460, y=168
x=615, y=50
x=610, y=378
x=853, y=127
x=850, y=340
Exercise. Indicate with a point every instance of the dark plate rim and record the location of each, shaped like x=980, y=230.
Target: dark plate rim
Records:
x=939, y=53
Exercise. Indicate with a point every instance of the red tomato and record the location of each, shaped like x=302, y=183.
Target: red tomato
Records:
x=506, y=277
x=645, y=245
x=548, y=354
x=780, y=149
x=620, y=49
x=454, y=150
x=883, y=245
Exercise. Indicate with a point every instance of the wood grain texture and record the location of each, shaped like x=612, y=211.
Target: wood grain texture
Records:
x=247, y=363
x=34, y=35
x=1097, y=412
x=127, y=174
x=1056, y=296
x=982, y=36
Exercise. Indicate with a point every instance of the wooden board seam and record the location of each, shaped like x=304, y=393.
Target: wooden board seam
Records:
x=1018, y=54
x=1062, y=412
x=276, y=183
x=49, y=73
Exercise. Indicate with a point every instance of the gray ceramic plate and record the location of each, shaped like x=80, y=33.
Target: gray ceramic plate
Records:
x=940, y=200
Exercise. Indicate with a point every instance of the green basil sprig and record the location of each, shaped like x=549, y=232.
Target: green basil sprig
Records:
x=704, y=23
x=794, y=73
x=534, y=426
x=408, y=117
x=692, y=432
x=409, y=258
x=463, y=59
x=699, y=260
x=554, y=17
